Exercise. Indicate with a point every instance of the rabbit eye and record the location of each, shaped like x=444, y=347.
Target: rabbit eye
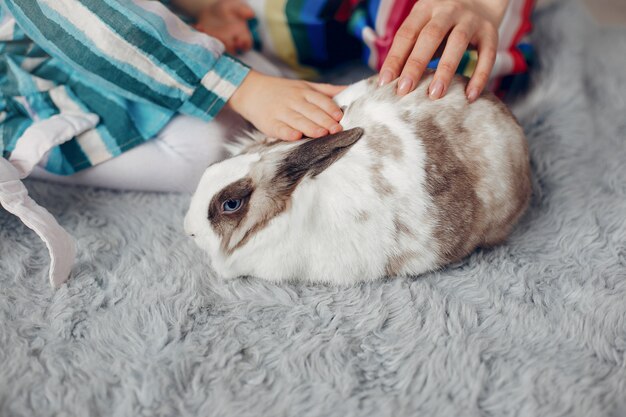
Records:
x=231, y=206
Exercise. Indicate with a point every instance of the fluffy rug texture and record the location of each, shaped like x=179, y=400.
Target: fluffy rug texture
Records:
x=536, y=327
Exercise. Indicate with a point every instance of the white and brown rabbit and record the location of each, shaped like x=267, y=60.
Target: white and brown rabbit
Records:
x=408, y=186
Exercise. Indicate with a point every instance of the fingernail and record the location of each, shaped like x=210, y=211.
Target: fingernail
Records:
x=321, y=132
x=436, y=89
x=385, y=77
x=338, y=115
x=472, y=95
x=404, y=85
x=335, y=129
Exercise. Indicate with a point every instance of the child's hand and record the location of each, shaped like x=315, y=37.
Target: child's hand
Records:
x=286, y=109
x=465, y=22
x=227, y=20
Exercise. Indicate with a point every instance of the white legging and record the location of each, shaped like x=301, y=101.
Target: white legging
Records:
x=175, y=159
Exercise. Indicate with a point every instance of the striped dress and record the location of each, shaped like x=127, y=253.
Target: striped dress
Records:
x=309, y=35
x=130, y=62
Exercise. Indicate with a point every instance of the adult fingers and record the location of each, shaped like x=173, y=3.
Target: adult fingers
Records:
x=487, y=46
x=402, y=45
x=427, y=43
x=456, y=46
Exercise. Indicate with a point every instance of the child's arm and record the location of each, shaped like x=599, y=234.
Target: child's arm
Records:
x=465, y=22
x=143, y=52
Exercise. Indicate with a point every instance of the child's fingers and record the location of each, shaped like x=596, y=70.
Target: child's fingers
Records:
x=325, y=103
x=402, y=45
x=456, y=46
x=319, y=116
x=427, y=44
x=243, y=40
x=283, y=131
x=328, y=89
x=303, y=124
x=243, y=11
x=486, y=58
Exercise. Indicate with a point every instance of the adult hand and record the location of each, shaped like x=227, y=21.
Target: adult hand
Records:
x=287, y=109
x=464, y=22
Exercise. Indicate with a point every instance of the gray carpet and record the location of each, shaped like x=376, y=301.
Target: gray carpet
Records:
x=533, y=328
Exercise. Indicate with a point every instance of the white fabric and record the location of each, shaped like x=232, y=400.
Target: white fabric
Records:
x=42, y=136
x=34, y=144
x=172, y=162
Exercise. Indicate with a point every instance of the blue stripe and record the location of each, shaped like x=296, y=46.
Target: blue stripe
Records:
x=12, y=129
x=372, y=11
x=19, y=78
x=231, y=69
x=316, y=28
x=110, y=143
x=199, y=58
x=89, y=51
x=60, y=156
x=143, y=40
x=44, y=30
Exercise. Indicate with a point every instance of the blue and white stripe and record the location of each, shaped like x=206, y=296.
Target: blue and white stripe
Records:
x=132, y=62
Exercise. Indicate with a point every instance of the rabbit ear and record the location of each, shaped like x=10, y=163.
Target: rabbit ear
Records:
x=315, y=155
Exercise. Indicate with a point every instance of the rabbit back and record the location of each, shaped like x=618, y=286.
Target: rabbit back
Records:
x=465, y=170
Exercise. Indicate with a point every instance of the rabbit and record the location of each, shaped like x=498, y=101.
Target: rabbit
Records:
x=408, y=186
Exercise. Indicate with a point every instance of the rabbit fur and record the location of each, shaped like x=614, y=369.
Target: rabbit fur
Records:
x=408, y=186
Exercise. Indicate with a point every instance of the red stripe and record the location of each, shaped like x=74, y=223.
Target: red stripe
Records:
x=519, y=62
x=344, y=11
x=526, y=25
x=399, y=12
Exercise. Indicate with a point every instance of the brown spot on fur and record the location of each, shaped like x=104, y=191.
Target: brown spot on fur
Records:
x=225, y=223
x=401, y=228
x=520, y=190
x=362, y=216
x=395, y=263
x=407, y=117
x=450, y=184
x=384, y=143
x=381, y=185
x=270, y=207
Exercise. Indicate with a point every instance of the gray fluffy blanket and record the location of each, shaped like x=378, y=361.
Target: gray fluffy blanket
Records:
x=536, y=327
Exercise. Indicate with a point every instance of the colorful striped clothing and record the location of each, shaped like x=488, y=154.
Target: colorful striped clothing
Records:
x=132, y=63
x=309, y=35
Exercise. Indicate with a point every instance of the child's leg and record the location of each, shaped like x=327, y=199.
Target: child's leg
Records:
x=173, y=161
x=176, y=158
